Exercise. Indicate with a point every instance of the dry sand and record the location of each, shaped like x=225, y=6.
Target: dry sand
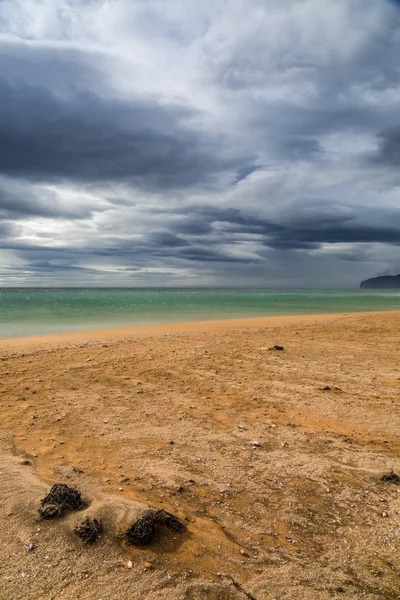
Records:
x=302, y=514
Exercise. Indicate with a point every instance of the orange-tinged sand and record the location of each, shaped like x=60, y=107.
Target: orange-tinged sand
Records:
x=301, y=514
x=118, y=333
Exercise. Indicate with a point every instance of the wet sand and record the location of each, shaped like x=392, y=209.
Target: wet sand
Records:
x=272, y=459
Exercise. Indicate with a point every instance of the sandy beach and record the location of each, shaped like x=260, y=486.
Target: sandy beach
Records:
x=272, y=459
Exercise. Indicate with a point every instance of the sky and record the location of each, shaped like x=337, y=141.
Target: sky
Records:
x=185, y=143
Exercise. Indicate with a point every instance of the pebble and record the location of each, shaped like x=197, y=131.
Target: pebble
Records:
x=148, y=565
x=121, y=489
x=255, y=444
x=30, y=548
x=129, y=564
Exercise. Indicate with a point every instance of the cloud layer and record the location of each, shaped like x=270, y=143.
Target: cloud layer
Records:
x=192, y=143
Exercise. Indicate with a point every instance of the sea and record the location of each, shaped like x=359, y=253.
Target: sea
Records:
x=35, y=311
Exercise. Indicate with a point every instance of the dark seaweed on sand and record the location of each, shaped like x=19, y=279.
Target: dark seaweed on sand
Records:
x=392, y=477
x=141, y=532
x=89, y=530
x=60, y=498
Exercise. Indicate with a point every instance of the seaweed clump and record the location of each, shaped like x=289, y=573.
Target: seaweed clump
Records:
x=89, y=530
x=141, y=532
x=392, y=477
x=60, y=498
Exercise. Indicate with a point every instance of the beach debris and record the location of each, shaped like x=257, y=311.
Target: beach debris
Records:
x=30, y=548
x=276, y=347
x=391, y=477
x=60, y=498
x=238, y=586
x=89, y=530
x=328, y=388
x=141, y=532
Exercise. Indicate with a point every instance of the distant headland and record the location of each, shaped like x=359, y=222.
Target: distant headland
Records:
x=385, y=282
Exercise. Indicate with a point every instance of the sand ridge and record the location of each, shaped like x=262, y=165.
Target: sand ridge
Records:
x=272, y=459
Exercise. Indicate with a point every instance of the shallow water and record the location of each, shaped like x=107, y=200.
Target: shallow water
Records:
x=31, y=311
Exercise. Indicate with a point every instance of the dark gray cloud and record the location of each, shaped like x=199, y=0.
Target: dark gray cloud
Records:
x=390, y=147
x=306, y=229
x=167, y=239
x=201, y=254
x=47, y=267
x=56, y=125
x=20, y=201
x=85, y=137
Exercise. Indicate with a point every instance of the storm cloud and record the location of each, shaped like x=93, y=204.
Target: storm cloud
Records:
x=68, y=134
x=192, y=143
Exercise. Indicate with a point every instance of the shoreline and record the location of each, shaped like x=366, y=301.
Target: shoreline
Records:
x=132, y=331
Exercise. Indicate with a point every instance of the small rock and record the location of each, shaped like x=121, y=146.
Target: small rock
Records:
x=148, y=565
x=255, y=444
x=276, y=347
x=385, y=514
x=30, y=548
x=120, y=489
x=129, y=564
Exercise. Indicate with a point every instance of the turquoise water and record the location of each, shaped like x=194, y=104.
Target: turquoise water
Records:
x=31, y=311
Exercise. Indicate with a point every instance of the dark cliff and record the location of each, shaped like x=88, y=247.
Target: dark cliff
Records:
x=386, y=282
